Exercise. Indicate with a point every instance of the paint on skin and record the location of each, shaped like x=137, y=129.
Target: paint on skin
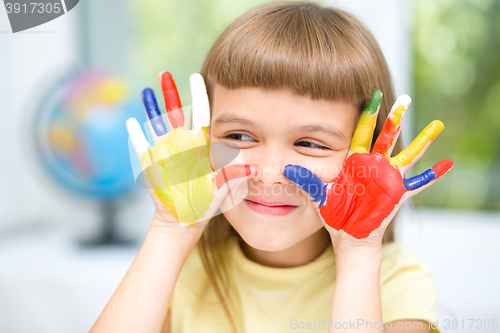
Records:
x=360, y=200
x=358, y=205
x=153, y=112
x=361, y=140
x=307, y=181
x=390, y=131
x=406, y=156
x=187, y=190
x=187, y=201
x=173, y=104
x=232, y=172
x=427, y=176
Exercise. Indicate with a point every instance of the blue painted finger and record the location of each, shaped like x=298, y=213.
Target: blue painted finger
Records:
x=307, y=181
x=418, y=181
x=153, y=112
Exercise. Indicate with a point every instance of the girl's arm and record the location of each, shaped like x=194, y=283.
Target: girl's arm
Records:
x=356, y=299
x=140, y=302
x=356, y=304
x=166, y=323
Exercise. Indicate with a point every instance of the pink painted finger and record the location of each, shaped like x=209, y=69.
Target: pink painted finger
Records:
x=232, y=172
x=173, y=104
x=392, y=127
x=436, y=172
x=227, y=181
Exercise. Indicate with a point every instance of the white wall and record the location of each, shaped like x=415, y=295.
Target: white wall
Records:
x=390, y=23
x=27, y=61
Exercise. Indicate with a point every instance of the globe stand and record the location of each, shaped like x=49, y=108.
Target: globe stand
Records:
x=108, y=235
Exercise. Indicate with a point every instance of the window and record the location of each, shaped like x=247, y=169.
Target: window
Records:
x=457, y=80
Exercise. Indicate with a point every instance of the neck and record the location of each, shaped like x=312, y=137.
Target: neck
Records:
x=299, y=254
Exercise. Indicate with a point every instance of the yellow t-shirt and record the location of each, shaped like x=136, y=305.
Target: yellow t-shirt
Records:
x=270, y=299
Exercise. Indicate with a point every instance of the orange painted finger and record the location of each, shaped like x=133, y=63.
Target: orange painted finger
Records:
x=387, y=138
x=173, y=104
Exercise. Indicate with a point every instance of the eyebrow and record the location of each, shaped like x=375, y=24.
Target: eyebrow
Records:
x=322, y=129
x=229, y=118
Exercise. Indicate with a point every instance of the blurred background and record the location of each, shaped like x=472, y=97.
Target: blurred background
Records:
x=72, y=219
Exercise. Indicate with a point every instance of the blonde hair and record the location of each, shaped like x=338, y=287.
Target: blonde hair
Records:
x=315, y=51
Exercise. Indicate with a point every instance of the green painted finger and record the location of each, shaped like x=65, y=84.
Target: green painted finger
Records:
x=363, y=133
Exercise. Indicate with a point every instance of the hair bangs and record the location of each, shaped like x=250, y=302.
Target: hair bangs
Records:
x=308, y=49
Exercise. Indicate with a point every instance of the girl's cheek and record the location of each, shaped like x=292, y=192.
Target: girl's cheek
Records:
x=327, y=169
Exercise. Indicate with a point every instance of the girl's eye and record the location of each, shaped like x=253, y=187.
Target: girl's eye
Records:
x=310, y=145
x=239, y=137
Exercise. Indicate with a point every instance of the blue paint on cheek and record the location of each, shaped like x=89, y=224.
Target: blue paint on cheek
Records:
x=153, y=112
x=307, y=181
x=418, y=181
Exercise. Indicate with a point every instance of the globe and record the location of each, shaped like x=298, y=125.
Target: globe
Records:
x=83, y=141
x=82, y=136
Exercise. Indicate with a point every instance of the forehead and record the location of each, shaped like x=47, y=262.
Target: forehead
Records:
x=279, y=109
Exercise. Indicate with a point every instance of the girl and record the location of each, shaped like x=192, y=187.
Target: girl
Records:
x=294, y=233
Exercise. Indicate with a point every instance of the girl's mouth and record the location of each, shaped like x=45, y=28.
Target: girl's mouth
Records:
x=270, y=208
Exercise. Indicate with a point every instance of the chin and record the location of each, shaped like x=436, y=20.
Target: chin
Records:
x=267, y=232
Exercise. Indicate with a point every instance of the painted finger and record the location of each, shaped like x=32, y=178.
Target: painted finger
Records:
x=232, y=172
x=200, y=106
x=418, y=182
x=307, y=181
x=410, y=155
x=173, y=104
x=155, y=123
x=225, y=183
x=389, y=134
x=139, y=141
x=363, y=134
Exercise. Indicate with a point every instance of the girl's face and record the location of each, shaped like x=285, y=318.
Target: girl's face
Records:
x=273, y=129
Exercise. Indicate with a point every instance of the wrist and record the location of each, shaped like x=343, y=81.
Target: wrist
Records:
x=173, y=232
x=349, y=257
x=344, y=242
x=357, y=247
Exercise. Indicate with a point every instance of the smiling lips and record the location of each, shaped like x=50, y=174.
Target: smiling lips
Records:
x=270, y=208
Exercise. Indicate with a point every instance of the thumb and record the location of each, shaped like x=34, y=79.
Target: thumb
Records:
x=307, y=181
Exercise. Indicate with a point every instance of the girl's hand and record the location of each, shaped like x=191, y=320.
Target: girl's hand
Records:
x=177, y=170
x=359, y=205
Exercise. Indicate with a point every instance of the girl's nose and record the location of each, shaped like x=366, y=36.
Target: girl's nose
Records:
x=270, y=173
